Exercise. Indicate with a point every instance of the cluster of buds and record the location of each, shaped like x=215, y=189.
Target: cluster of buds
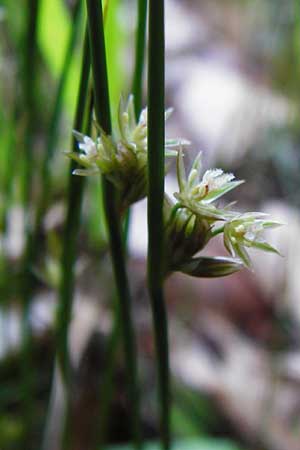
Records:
x=192, y=218
x=123, y=158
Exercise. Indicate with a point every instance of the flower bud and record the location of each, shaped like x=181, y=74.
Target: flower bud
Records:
x=185, y=234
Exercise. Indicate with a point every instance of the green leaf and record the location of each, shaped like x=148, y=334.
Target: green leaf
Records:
x=242, y=253
x=187, y=444
x=272, y=224
x=76, y=158
x=197, y=163
x=210, y=267
x=265, y=247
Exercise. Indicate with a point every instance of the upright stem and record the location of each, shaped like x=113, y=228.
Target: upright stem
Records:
x=29, y=71
x=156, y=173
x=137, y=84
x=137, y=81
x=296, y=38
x=31, y=249
x=56, y=117
x=106, y=388
x=74, y=201
x=9, y=174
x=82, y=121
x=102, y=110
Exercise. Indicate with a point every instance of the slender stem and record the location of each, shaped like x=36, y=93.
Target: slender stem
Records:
x=9, y=174
x=82, y=122
x=296, y=39
x=56, y=116
x=106, y=389
x=30, y=74
x=102, y=110
x=31, y=248
x=76, y=185
x=32, y=229
x=156, y=173
x=137, y=84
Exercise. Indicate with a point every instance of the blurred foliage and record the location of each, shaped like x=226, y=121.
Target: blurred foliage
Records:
x=189, y=444
x=274, y=46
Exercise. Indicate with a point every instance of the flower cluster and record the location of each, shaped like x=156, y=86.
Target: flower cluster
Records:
x=122, y=159
x=193, y=217
x=198, y=195
x=246, y=230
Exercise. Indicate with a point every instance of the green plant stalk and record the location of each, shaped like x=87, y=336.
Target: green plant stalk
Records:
x=82, y=123
x=26, y=281
x=102, y=110
x=137, y=83
x=29, y=74
x=156, y=174
x=296, y=41
x=33, y=229
x=56, y=116
x=74, y=201
x=106, y=388
x=9, y=169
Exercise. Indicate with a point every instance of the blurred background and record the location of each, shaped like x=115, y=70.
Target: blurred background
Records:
x=233, y=78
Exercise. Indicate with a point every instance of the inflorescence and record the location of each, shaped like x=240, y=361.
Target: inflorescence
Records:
x=192, y=217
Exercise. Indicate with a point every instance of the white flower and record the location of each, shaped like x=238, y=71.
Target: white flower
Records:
x=246, y=230
x=89, y=147
x=215, y=179
x=198, y=195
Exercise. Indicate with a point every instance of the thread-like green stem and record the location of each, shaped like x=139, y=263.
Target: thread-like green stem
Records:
x=31, y=249
x=82, y=123
x=56, y=116
x=106, y=389
x=137, y=84
x=30, y=74
x=137, y=81
x=9, y=173
x=156, y=174
x=296, y=39
x=74, y=200
x=103, y=116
